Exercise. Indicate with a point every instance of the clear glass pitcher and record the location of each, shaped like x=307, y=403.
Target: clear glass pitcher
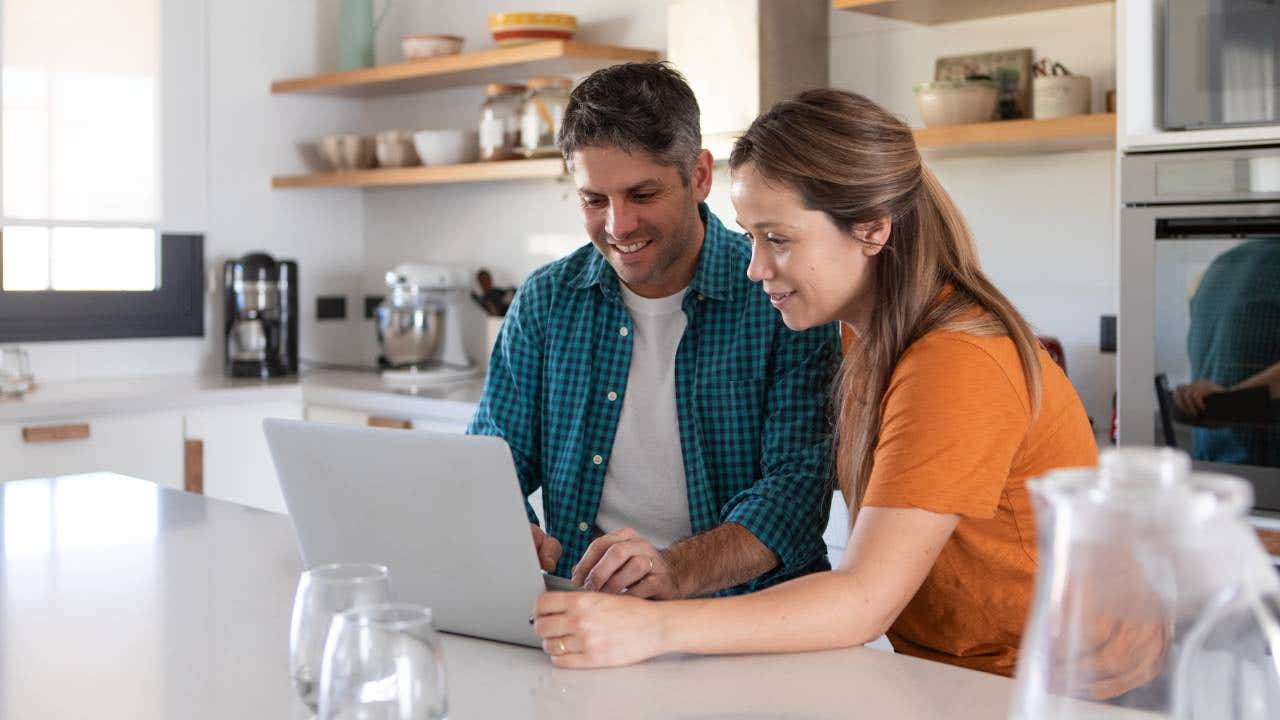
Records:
x=1154, y=598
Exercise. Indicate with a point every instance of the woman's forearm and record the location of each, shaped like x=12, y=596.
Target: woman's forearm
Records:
x=1270, y=378
x=816, y=612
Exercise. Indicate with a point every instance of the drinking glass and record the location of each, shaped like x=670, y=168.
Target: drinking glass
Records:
x=323, y=592
x=15, y=371
x=383, y=662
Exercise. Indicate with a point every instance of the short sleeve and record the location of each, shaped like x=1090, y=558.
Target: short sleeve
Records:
x=951, y=423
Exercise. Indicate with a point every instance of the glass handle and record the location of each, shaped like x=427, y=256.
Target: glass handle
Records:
x=385, y=7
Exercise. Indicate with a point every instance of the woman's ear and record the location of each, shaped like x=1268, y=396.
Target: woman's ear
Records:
x=873, y=235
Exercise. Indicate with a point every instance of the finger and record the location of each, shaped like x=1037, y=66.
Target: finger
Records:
x=553, y=626
x=650, y=587
x=629, y=574
x=574, y=661
x=594, y=552
x=610, y=563
x=551, y=552
x=561, y=646
x=553, y=603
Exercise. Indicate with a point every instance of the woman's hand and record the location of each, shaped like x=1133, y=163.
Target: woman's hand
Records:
x=1191, y=397
x=591, y=629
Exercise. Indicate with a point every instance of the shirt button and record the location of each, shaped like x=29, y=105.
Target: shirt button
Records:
x=582, y=527
x=597, y=459
x=700, y=297
x=623, y=331
x=613, y=396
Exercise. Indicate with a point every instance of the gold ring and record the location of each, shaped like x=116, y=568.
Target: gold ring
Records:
x=562, y=648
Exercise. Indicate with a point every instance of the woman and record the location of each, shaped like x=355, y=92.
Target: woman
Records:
x=947, y=404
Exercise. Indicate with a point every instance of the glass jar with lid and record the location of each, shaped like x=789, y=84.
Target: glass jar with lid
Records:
x=500, y=121
x=542, y=114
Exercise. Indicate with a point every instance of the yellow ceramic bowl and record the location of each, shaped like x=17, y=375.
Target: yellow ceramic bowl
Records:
x=519, y=27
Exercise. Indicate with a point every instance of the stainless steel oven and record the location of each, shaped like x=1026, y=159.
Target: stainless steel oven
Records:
x=1200, y=302
x=1221, y=63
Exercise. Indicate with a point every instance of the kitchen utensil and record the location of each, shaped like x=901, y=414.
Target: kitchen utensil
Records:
x=417, y=324
x=493, y=300
x=348, y=151
x=15, y=372
x=510, y=28
x=383, y=661
x=446, y=147
x=956, y=102
x=357, y=27
x=1152, y=594
x=322, y=593
x=1058, y=93
x=394, y=148
x=421, y=47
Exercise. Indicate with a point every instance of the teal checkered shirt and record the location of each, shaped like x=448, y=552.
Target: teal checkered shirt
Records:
x=751, y=397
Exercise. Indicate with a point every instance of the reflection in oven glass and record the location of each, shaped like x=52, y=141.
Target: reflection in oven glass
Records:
x=1218, y=347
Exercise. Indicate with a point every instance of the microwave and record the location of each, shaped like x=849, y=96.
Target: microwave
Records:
x=1221, y=63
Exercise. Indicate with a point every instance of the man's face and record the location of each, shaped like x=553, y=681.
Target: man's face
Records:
x=641, y=217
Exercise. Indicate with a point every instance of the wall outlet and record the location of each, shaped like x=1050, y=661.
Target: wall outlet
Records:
x=331, y=307
x=371, y=303
x=1107, y=335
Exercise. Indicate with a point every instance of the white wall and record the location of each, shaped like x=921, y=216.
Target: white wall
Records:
x=508, y=228
x=223, y=136
x=1044, y=223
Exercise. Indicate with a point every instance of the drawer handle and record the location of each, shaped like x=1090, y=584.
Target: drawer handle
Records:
x=56, y=433
x=384, y=422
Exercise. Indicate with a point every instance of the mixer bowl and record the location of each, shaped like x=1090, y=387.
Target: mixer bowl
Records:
x=410, y=326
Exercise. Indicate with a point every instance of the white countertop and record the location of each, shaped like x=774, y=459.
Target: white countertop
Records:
x=122, y=599
x=363, y=391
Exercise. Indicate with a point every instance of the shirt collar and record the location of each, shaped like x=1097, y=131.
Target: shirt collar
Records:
x=712, y=278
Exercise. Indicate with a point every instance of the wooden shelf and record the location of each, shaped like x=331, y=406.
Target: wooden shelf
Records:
x=541, y=168
x=1017, y=137
x=935, y=12
x=500, y=64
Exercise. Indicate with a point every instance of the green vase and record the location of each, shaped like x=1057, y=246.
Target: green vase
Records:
x=356, y=29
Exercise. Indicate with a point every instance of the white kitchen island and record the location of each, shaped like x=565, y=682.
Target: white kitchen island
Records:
x=123, y=599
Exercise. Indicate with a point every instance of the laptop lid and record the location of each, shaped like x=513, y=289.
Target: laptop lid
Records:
x=442, y=511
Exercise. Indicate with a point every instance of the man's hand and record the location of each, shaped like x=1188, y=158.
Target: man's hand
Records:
x=547, y=547
x=1191, y=397
x=624, y=562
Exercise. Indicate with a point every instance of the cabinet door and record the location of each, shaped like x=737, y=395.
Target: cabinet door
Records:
x=142, y=445
x=237, y=463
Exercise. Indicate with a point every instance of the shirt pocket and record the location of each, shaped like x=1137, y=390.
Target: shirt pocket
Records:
x=731, y=420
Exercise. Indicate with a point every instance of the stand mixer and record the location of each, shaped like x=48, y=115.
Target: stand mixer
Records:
x=419, y=332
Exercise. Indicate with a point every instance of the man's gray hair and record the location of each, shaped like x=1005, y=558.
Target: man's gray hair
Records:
x=635, y=106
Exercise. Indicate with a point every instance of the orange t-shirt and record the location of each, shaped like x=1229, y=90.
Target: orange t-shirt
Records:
x=957, y=436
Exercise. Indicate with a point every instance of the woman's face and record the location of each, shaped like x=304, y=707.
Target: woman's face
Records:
x=813, y=271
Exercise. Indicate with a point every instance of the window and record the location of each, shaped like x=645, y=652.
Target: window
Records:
x=79, y=182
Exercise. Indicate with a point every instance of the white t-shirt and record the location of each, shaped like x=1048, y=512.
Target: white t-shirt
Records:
x=644, y=485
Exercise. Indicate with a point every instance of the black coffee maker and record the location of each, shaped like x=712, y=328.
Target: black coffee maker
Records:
x=260, y=308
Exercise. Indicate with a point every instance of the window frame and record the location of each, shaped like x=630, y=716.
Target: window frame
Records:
x=174, y=309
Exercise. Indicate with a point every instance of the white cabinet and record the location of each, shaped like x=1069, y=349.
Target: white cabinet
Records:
x=237, y=465
x=142, y=445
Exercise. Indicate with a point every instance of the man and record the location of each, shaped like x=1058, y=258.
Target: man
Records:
x=647, y=385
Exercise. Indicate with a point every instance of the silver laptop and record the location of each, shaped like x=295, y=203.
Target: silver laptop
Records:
x=442, y=511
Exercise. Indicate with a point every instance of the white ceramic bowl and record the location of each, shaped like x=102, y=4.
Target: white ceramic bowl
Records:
x=395, y=148
x=420, y=47
x=348, y=151
x=956, y=102
x=447, y=147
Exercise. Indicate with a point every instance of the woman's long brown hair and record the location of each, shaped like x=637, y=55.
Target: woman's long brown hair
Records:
x=848, y=157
